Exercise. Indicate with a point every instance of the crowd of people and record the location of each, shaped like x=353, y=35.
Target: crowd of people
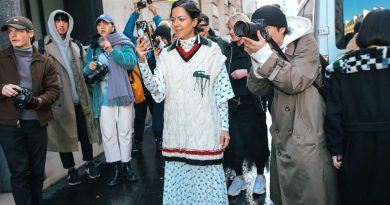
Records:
x=207, y=100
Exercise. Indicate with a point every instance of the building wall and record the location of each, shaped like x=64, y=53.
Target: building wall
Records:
x=217, y=10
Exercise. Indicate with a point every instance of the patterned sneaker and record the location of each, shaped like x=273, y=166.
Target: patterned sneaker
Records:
x=73, y=177
x=237, y=186
x=259, y=187
x=92, y=171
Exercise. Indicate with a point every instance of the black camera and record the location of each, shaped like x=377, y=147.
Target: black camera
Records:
x=142, y=3
x=155, y=42
x=98, y=74
x=249, y=29
x=23, y=98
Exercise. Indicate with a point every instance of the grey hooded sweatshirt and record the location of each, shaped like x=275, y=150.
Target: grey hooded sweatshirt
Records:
x=64, y=47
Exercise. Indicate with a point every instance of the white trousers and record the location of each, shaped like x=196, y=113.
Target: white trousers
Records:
x=116, y=127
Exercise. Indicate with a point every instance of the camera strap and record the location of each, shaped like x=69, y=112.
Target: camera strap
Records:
x=277, y=48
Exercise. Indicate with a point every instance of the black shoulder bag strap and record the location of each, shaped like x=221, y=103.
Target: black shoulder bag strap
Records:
x=41, y=45
x=80, y=47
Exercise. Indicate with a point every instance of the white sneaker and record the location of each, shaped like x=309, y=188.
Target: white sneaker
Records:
x=237, y=186
x=259, y=187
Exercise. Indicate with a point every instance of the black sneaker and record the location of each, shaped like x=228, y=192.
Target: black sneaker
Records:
x=92, y=171
x=73, y=177
x=137, y=147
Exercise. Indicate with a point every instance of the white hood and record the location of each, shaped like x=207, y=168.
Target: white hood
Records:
x=299, y=26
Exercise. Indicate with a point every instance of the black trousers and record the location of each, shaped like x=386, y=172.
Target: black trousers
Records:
x=249, y=140
x=25, y=151
x=86, y=147
x=140, y=117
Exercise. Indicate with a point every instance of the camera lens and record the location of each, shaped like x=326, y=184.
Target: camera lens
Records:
x=241, y=29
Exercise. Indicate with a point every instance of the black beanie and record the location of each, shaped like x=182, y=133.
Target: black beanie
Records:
x=163, y=31
x=272, y=16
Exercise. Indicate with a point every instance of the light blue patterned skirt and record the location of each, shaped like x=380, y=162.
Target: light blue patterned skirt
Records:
x=186, y=184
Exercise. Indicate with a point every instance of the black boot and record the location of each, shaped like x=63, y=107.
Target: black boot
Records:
x=116, y=174
x=128, y=172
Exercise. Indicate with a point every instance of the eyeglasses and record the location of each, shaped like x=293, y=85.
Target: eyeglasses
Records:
x=203, y=25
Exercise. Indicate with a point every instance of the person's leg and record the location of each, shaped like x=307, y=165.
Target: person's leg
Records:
x=139, y=120
x=158, y=123
x=67, y=160
x=237, y=152
x=15, y=148
x=108, y=122
x=258, y=148
x=124, y=135
x=86, y=146
x=37, y=147
x=82, y=133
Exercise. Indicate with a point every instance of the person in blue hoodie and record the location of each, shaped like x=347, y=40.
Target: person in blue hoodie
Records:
x=112, y=98
x=141, y=108
x=129, y=28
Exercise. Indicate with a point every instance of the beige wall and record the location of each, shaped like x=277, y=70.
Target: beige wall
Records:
x=217, y=10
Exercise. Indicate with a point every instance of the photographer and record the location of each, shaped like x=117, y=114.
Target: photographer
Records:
x=27, y=80
x=129, y=28
x=108, y=59
x=208, y=32
x=301, y=169
x=73, y=119
x=247, y=119
x=141, y=108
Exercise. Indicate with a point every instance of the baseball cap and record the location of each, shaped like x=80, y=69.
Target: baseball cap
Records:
x=19, y=22
x=105, y=17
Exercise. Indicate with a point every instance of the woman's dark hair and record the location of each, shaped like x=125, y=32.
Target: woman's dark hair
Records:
x=95, y=37
x=61, y=16
x=192, y=10
x=375, y=29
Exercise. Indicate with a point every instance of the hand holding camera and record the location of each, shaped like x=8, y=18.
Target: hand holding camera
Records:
x=10, y=90
x=142, y=3
x=99, y=69
x=252, y=46
x=25, y=99
x=253, y=35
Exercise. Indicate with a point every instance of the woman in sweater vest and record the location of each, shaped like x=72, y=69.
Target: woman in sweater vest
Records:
x=191, y=77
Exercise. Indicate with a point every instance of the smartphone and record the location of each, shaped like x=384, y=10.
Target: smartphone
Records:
x=143, y=31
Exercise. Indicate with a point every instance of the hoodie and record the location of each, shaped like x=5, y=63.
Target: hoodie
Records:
x=298, y=27
x=64, y=48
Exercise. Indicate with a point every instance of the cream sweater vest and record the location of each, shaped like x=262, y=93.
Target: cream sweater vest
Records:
x=192, y=122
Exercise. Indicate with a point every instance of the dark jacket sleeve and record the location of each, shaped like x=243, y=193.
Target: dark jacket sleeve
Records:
x=333, y=120
x=51, y=89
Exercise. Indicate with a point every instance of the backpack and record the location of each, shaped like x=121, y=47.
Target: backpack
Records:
x=42, y=50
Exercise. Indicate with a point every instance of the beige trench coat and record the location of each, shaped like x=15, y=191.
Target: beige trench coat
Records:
x=301, y=168
x=62, y=131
